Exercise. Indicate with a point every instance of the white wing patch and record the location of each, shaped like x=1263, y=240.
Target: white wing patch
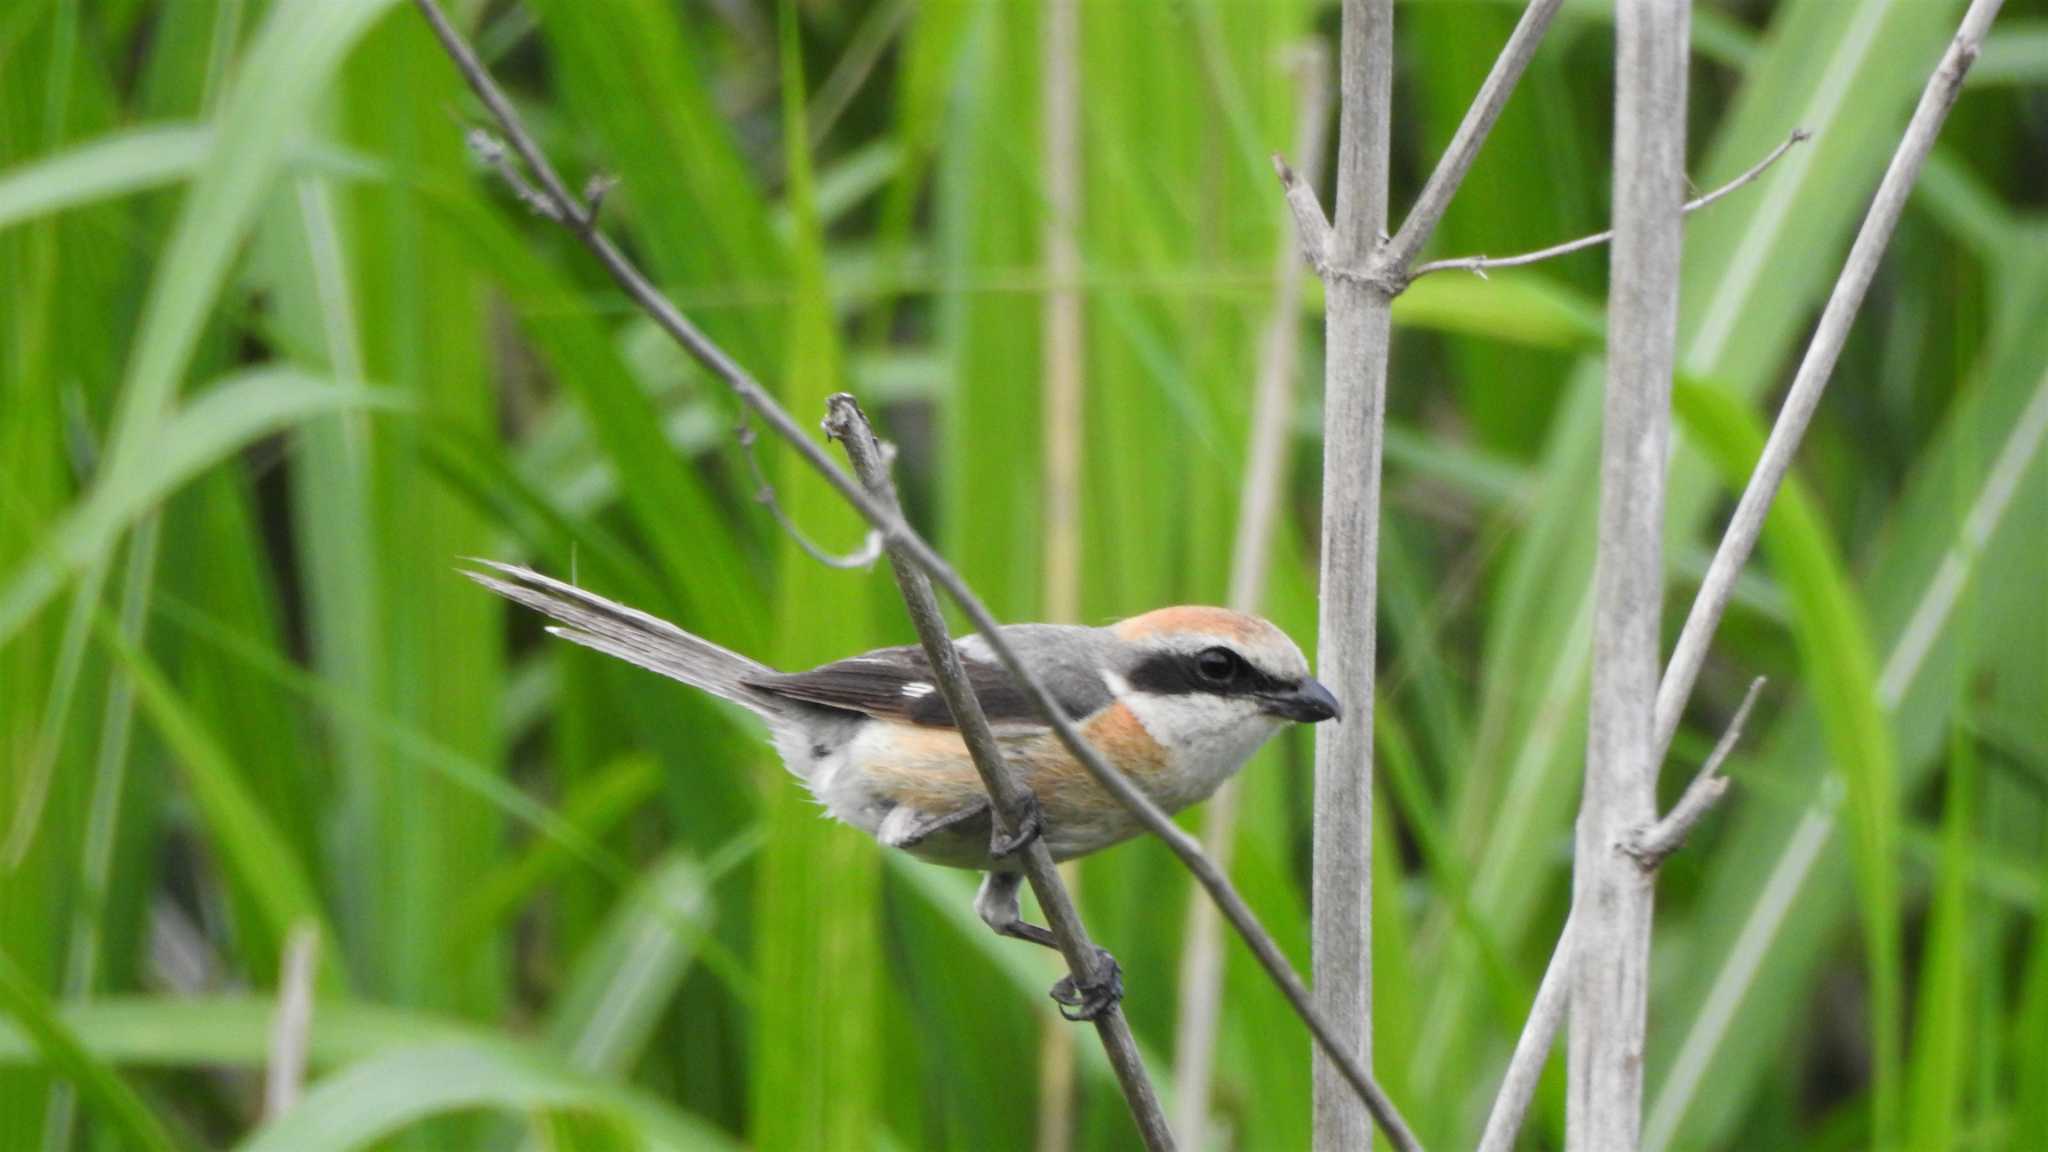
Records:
x=1117, y=685
x=917, y=690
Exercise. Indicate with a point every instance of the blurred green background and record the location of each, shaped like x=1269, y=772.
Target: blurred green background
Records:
x=274, y=354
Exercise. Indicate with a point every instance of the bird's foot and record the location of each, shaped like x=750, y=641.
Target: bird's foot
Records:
x=1031, y=825
x=1088, y=1001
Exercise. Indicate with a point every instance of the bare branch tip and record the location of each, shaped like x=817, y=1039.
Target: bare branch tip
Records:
x=595, y=190
x=843, y=414
x=1281, y=169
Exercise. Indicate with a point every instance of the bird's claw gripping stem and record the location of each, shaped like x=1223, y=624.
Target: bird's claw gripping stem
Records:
x=1079, y=1002
x=1031, y=824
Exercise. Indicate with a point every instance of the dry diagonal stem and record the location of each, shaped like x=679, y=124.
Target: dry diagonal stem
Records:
x=846, y=423
x=1611, y=962
x=1478, y=265
x=896, y=533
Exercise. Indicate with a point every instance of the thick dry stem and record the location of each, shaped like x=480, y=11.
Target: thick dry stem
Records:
x=1357, y=325
x=1610, y=974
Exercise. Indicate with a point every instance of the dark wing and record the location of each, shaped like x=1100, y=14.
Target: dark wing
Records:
x=897, y=684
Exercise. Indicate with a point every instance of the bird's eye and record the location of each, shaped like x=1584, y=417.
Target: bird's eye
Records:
x=1218, y=665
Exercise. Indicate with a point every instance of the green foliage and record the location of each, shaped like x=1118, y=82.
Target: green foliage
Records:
x=275, y=355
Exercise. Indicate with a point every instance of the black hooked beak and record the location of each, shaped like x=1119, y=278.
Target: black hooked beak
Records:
x=1308, y=702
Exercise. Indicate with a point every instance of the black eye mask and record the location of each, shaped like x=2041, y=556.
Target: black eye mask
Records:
x=1178, y=674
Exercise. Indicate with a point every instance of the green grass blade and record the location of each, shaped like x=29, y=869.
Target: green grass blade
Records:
x=296, y=53
x=59, y=1046
x=389, y=1094
x=219, y=422
x=606, y=1015
x=262, y=863
x=594, y=810
x=816, y=1075
x=1940, y=1067
x=2015, y=54
x=114, y=165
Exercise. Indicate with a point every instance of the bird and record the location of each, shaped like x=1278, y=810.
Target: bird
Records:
x=1177, y=699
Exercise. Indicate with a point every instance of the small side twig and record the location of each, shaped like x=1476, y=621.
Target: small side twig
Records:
x=1311, y=226
x=847, y=424
x=764, y=495
x=1478, y=265
x=490, y=152
x=1655, y=844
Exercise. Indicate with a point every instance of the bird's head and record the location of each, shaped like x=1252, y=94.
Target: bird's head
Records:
x=1196, y=675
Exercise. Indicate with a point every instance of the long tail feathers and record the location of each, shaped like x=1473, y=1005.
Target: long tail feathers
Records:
x=630, y=634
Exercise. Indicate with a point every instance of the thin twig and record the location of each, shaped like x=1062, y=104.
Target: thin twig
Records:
x=1457, y=159
x=1655, y=844
x=291, y=1030
x=1478, y=265
x=764, y=494
x=491, y=153
x=1611, y=959
x=849, y=426
x=898, y=534
x=1816, y=367
x=1311, y=226
x=1258, y=514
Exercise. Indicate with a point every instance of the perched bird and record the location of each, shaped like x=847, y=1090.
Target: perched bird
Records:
x=1176, y=699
